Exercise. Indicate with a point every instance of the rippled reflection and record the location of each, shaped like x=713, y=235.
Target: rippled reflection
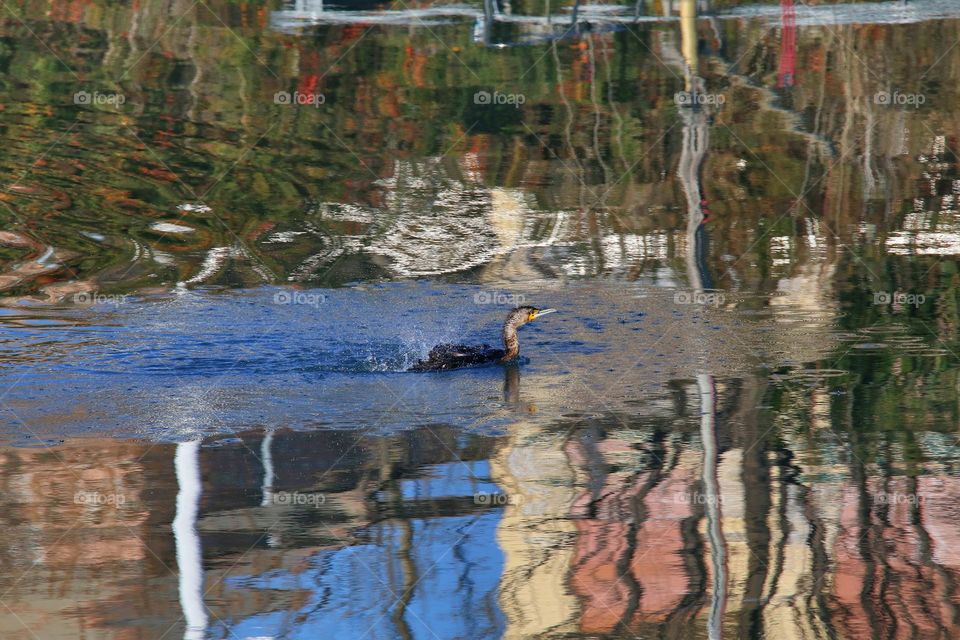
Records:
x=711, y=517
x=742, y=422
x=202, y=177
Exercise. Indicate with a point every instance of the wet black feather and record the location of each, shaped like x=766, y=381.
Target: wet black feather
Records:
x=454, y=356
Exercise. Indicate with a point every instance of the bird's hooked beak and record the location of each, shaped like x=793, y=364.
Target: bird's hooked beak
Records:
x=542, y=312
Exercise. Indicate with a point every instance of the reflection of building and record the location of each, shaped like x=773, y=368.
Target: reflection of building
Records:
x=445, y=223
x=602, y=528
x=398, y=544
x=630, y=566
x=897, y=567
x=535, y=534
x=74, y=553
x=80, y=537
x=439, y=219
x=807, y=293
x=931, y=227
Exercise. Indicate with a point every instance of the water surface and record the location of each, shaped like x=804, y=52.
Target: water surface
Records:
x=228, y=230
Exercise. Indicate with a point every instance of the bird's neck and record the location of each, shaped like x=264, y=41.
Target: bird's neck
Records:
x=511, y=344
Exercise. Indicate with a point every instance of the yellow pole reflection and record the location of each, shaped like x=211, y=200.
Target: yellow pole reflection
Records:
x=688, y=39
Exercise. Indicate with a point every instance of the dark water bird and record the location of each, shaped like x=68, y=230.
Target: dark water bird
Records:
x=453, y=356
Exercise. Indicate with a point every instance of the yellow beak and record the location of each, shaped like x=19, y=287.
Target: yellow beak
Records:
x=543, y=312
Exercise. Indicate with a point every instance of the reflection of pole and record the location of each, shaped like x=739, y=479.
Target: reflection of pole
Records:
x=484, y=26
x=266, y=487
x=711, y=488
x=268, y=474
x=688, y=40
x=187, y=540
x=695, y=142
x=696, y=139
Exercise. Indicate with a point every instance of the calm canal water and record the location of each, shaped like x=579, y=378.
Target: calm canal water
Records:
x=227, y=229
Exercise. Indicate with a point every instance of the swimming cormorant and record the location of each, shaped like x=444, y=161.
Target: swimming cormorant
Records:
x=454, y=356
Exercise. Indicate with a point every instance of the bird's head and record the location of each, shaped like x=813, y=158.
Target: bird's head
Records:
x=522, y=315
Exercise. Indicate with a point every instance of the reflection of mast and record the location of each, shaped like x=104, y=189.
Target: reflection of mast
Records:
x=266, y=455
x=269, y=477
x=187, y=541
x=484, y=24
x=711, y=489
x=695, y=142
x=688, y=40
